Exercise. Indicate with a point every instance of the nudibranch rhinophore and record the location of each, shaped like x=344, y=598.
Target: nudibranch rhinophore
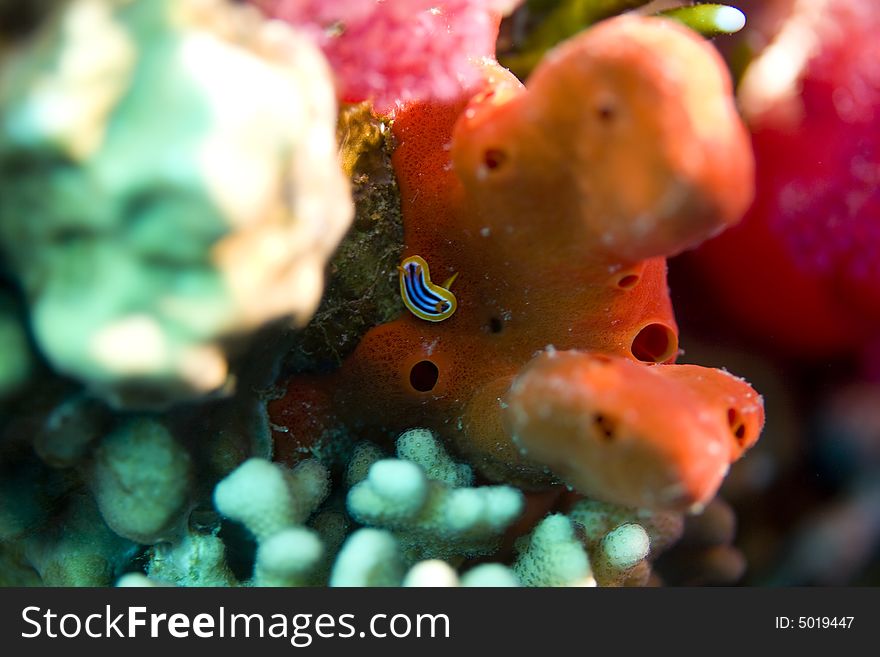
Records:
x=558, y=203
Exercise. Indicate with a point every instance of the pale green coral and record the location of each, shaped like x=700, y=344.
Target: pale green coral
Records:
x=193, y=560
x=274, y=502
x=14, y=567
x=490, y=575
x=433, y=519
x=267, y=497
x=370, y=557
x=420, y=447
x=136, y=580
x=174, y=230
x=288, y=558
x=424, y=528
x=393, y=493
x=553, y=555
x=625, y=546
x=620, y=540
x=437, y=573
x=431, y=573
x=599, y=518
x=620, y=553
x=141, y=479
x=362, y=459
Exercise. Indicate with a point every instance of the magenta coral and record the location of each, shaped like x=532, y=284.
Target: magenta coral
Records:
x=397, y=50
x=812, y=284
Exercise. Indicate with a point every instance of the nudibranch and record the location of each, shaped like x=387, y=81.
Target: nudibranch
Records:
x=424, y=299
x=558, y=203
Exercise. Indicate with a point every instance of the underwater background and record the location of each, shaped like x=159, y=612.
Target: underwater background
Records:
x=439, y=293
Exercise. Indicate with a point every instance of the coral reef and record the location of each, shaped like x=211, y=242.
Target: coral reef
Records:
x=501, y=188
x=175, y=182
x=79, y=550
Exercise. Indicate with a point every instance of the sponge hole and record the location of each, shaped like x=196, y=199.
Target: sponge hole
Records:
x=628, y=281
x=737, y=426
x=605, y=427
x=494, y=158
x=654, y=343
x=423, y=376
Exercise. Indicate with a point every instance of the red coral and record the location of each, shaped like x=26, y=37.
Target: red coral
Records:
x=397, y=50
x=556, y=205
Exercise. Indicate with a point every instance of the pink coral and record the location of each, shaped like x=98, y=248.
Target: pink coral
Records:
x=397, y=50
x=811, y=286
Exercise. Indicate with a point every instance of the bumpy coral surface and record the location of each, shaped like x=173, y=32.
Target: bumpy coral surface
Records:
x=518, y=191
x=145, y=240
x=430, y=502
x=397, y=50
x=414, y=509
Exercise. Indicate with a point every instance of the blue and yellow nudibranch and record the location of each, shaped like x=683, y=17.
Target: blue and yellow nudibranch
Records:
x=425, y=300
